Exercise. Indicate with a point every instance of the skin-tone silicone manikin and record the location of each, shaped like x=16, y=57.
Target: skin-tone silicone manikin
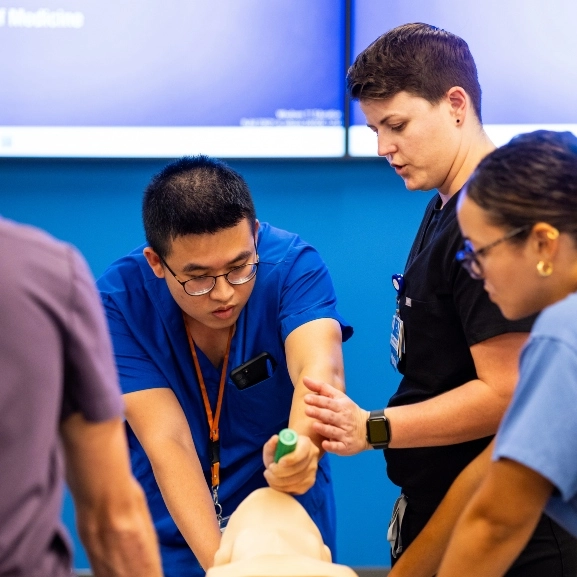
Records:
x=271, y=535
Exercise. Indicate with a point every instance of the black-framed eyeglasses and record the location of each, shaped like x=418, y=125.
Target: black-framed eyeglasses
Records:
x=469, y=258
x=201, y=285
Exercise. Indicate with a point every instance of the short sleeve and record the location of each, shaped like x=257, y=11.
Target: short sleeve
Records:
x=307, y=293
x=539, y=429
x=90, y=378
x=136, y=369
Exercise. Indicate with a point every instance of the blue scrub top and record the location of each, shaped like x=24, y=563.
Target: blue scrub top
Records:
x=292, y=287
x=539, y=429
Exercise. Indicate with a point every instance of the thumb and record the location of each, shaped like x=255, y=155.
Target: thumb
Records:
x=268, y=450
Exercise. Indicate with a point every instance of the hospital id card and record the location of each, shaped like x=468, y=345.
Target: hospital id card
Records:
x=397, y=340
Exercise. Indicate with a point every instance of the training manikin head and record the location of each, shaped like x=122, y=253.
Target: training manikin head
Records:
x=271, y=535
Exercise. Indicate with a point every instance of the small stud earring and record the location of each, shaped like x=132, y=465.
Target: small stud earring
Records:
x=458, y=121
x=544, y=268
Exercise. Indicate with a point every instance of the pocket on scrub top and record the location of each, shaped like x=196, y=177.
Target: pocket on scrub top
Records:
x=264, y=408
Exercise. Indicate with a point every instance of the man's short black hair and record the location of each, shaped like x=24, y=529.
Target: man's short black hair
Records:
x=194, y=195
x=416, y=58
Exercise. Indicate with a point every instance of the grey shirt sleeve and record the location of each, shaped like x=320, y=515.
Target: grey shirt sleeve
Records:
x=90, y=377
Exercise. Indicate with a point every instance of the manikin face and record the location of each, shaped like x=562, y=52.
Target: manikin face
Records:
x=254, y=530
x=271, y=535
x=509, y=269
x=420, y=140
x=209, y=254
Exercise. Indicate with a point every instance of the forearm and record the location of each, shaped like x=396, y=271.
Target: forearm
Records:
x=298, y=420
x=315, y=351
x=423, y=557
x=112, y=517
x=314, y=348
x=468, y=412
x=498, y=521
x=188, y=499
x=482, y=548
x=117, y=541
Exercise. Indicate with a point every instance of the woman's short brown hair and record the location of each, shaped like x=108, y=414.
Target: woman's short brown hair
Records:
x=417, y=58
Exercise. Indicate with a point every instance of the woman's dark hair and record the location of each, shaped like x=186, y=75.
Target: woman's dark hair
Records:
x=194, y=195
x=531, y=179
x=417, y=58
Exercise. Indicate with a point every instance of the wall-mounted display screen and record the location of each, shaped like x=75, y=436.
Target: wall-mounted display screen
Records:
x=229, y=78
x=524, y=50
x=252, y=78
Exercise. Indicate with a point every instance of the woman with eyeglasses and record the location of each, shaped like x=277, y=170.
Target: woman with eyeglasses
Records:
x=518, y=215
x=519, y=219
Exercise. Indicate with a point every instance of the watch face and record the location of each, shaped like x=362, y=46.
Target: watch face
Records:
x=378, y=431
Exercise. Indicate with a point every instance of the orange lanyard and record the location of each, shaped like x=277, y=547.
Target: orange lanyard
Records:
x=212, y=420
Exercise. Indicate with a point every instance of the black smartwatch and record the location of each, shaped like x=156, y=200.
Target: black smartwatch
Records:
x=378, y=430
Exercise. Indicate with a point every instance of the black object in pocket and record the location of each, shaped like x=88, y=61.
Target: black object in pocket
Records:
x=254, y=371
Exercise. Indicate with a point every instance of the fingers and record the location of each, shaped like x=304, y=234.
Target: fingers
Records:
x=344, y=428
x=330, y=432
x=305, y=450
x=296, y=472
x=337, y=418
x=321, y=388
x=339, y=441
x=330, y=415
x=339, y=412
x=336, y=447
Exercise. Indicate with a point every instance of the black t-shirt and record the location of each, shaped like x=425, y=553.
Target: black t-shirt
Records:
x=444, y=312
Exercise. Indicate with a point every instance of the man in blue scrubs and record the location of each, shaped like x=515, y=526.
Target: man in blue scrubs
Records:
x=212, y=289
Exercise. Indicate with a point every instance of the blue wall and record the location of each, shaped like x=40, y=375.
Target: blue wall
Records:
x=356, y=212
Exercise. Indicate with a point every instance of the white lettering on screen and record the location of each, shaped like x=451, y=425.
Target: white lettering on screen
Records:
x=42, y=18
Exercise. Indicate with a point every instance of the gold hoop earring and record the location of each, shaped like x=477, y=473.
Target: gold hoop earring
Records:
x=544, y=268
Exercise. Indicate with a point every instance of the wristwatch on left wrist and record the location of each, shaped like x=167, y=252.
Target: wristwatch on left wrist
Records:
x=378, y=430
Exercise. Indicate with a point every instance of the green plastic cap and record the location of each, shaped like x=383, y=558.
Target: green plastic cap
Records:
x=287, y=441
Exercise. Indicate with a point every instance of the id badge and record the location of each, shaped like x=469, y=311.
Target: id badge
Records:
x=223, y=522
x=396, y=342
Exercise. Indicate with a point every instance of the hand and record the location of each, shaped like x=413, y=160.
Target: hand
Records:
x=341, y=421
x=295, y=472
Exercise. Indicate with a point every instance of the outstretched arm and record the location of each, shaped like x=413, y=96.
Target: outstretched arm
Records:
x=497, y=523
x=160, y=425
x=423, y=557
x=313, y=349
x=470, y=411
x=112, y=517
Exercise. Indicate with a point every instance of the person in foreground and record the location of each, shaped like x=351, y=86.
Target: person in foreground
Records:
x=519, y=218
x=418, y=89
x=271, y=535
x=212, y=290
x=60, y=406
